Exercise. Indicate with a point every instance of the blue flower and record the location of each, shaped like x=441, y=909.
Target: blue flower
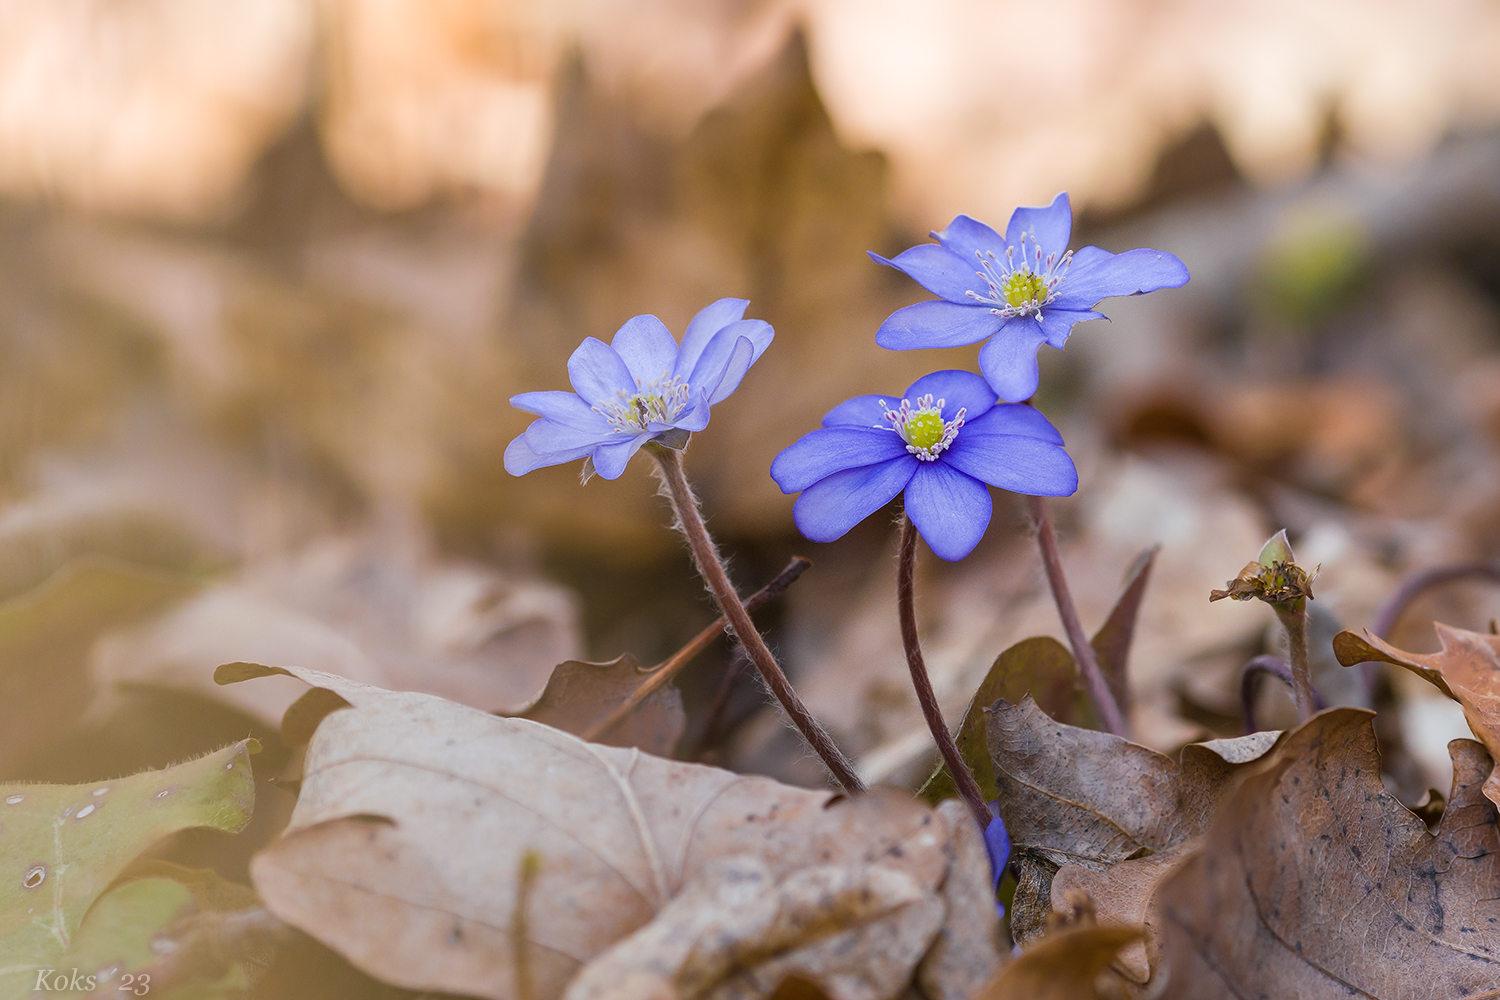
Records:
x=639, y=387
x=1018, y=290
x=941, y=444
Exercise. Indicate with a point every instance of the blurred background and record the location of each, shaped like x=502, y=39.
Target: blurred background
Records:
x=270, y=270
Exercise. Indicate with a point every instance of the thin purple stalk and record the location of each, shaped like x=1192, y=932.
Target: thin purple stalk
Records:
x=716, y=578
x=1105, y=705
x=1413, y=587
x=906, y=603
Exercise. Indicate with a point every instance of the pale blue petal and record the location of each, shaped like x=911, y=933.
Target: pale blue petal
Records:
x=1051, y=226
x=1058, y=323
x=1008, y=359
x=1013, y=418
x=610, y=459
x=646, y=347
x=546, y=436
x=830, y=507
x=861, y=411
x=958, y=389
x=833, y=449
x=939, y=270
x=936, y=324
x=521, y=459
x=949, y=509
x=1097, y=274
x=598, y=374
x=563, y=407
x=740, y=360
x=1015, y=463
x=968, y=237
x=710, y=320
x=693, y=419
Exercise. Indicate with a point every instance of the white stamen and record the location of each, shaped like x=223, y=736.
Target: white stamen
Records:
x=659, y=400
x=1052, y=270
x=901, y=418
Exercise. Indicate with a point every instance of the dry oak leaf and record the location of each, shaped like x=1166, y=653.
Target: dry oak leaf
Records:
x=439, y=847
x=1064, y=965
x=1077, y=803
x=1466, y=669
x=580, y=694
x=1316, y=882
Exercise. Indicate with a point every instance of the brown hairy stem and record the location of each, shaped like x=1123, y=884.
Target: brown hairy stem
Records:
x=672, y=665
x=1105, y=705
x=906, y=603
x=1294, y=619
x=711, y=568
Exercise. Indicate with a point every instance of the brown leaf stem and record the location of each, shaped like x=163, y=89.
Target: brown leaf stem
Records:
x=1249, y=682
x=672, y=665
x=1105, y=705
x=906, y=603
x=711, y=568
x=1293, y=618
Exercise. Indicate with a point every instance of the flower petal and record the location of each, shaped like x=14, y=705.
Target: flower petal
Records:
x=1051, y=226
x=610, y=459
x=1012, y=462
x=936, y=324
x=692, y=420
x=1008, y=359
x=646, y=347
x=598, y=374
x=1013, y=418
x=939, y=270
x=521, y=459
x=1097, y=274
x=830, y=507
x=701, y=329
x=546, y=436
x=949, y=509
x=861, y=411
x=966, y=237
x=957, y=389
x=563, y=407
x=828, y=450
x=1058, y=323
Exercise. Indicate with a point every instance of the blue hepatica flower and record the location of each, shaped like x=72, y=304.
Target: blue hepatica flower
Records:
x=640, y=387
x=941, y=443
x=1018, y=290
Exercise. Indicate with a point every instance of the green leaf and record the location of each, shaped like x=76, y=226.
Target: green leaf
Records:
x=61, y=846
x=1040, y=666
x=158, y=915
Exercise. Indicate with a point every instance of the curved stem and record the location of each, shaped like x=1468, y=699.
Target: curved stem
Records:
x=672, y=665
x=1249, y=681
x=711, y=568
x=906, y=603
x=1295, y=623
x=1083, y=653
x=1417, y=584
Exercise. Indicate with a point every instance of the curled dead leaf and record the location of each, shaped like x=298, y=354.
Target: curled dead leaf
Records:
x=1316, y=882
x=439, y=847
x=1466, y=669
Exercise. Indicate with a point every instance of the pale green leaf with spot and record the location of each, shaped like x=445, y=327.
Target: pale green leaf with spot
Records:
x=62, y=845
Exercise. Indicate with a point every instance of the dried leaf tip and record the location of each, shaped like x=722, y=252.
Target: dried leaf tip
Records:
x=1274, y=577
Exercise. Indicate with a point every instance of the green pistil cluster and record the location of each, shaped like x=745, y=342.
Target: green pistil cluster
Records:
x=926, y=433
x=1022, y=289
x=660, y=400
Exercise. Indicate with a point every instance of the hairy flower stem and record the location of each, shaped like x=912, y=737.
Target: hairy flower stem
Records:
x=711, y=568
x=1083, y=653
x=1294, y=619
x=906, y=602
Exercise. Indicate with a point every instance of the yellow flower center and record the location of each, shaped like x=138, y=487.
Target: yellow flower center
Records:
x=1022, y=288
x=924, y=429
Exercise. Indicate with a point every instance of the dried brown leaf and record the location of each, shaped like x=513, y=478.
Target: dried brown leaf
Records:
x=1102, y=814
x=1316, y=882
x=439, y=847
x=579, y=695
x=1112, y=642
x=1466, y=669
x=367, y=607
x=1061, y=966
